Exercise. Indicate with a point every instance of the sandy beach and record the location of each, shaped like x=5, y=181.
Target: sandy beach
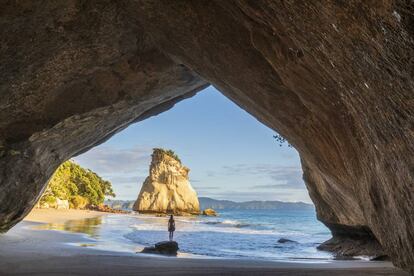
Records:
x=60, y=216
x=25, y=250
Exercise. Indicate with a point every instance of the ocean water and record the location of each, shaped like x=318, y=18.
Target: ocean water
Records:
x=249, y=234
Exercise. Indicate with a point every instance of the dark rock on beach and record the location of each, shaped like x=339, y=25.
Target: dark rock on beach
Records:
x=382, y=258
x=352, y=246
x=169, y=248
x=283, y=240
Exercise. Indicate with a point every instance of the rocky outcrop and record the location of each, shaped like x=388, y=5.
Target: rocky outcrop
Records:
x=347, y=246
x=209, y=212
x=335, y=78
x=167, y=189
x=107, y=209
x=62, y=204
x=58, y=204
x=169, y=248
x=283, y=240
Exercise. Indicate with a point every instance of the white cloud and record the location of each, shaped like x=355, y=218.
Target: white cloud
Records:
x=283, y=195
x=280, y=176
x=109, y=160
x=125, y=168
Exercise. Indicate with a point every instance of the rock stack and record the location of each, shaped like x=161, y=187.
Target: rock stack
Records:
x=167, y=189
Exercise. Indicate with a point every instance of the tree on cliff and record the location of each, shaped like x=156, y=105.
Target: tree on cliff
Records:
x=169, y=152
x=77, y=185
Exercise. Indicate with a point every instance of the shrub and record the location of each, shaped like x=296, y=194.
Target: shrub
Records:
x=169, y=152
x=79, y=202
x=71, y=180
x=49, y=199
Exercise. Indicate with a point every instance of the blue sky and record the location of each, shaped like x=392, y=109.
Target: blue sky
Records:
x=230, y=154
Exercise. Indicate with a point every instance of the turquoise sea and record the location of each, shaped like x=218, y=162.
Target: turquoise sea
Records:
x=250, y=234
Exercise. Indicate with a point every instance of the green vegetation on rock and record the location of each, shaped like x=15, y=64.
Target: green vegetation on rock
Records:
x=81, y=187
x=169, y=152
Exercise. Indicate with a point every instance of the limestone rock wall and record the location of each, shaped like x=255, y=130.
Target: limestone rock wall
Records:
x=333, y=77
x=167, y=189
x=72, y=74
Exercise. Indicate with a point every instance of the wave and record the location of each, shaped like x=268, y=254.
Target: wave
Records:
x=232, y=223
x=222, y=225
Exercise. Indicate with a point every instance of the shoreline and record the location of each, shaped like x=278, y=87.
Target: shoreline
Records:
x=61, y=216
x=25, y=250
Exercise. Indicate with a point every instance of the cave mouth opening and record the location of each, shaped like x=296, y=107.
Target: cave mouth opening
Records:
x=237, y=167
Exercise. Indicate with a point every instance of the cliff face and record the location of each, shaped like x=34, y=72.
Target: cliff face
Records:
x=72, y=74
x=335, y=78
x=167, y=188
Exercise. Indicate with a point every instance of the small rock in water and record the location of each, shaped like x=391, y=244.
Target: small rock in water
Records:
x=165, y=248
x=209, y=212
x=283, y=240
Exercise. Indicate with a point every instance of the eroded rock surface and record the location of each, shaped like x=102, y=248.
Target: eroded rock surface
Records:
x=333, y=77
x=169, y=248
x=167, y=189
x=72, y=74
x=209, y=212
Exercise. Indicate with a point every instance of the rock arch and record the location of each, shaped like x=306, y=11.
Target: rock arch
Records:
x=334, y=78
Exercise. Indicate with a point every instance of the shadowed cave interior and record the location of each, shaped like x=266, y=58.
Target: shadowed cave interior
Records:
x=333, y=78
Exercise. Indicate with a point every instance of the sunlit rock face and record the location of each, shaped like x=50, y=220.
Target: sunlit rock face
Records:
x=333, y=77
x=167, y=189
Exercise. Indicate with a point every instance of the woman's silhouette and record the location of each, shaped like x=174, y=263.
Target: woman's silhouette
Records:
x=171, y=227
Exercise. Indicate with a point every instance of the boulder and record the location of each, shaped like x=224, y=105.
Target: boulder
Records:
x=44, y=205
x=165, y=248
x=209, y=212
x=283, y=240
x=62, y=204
x=167, y=189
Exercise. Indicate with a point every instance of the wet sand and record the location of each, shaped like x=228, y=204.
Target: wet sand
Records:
x=27, y=251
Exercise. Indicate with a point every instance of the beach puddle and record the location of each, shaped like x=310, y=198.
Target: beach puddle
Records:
x=89, y=226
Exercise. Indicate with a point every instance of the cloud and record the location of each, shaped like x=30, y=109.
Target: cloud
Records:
x=270, y=186
x=211, y=173
x=286, y=195
x=207, y=188
x=126, y=179
x=125, y=168
x=110, y=160
x=249, y=194
x=281, y=176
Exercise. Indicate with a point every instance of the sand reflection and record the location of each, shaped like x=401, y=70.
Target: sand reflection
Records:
x=89, y=226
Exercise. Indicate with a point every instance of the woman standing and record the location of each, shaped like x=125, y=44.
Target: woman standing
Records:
x=171, y=227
